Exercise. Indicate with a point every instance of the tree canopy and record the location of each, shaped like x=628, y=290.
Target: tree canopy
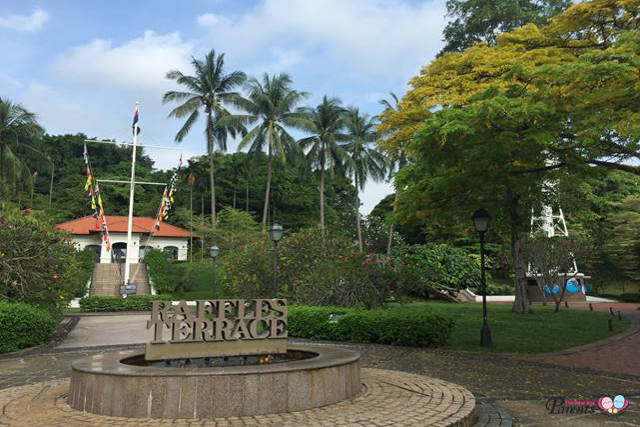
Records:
x=480, y=21
x=501, y=122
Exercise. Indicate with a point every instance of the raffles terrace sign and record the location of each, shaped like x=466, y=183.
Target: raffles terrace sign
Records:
x=225, y=327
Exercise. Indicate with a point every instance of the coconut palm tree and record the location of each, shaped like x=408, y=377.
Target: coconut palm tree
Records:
x=325, y=123
x=271, y=106
x=365, y=162
x=209, y=90
x=17, y=126
x=396, y=161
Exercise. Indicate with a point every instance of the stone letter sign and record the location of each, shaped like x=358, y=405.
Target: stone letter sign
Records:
x=225, y=327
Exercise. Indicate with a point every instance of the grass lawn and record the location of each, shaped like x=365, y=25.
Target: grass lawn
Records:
x=540, y=332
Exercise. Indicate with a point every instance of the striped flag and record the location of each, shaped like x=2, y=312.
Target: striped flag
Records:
x=136, y=117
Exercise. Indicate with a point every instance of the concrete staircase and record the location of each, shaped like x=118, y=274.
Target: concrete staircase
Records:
x=107, y=278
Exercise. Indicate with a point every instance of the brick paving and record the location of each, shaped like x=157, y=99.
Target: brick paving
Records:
x=389, y=398
x=619, y=356
x=521, y=384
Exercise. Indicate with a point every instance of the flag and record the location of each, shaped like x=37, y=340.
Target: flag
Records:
x=136, y=117
x=191, y=179
x=87, y=184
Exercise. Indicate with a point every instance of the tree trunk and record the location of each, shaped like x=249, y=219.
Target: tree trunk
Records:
x=246, y=195
x=211, y=167
x=390, y=241
x=202, y=221
x=322, y=199
x=322, y=162
x=521, y=303
x=265, y=208
x=190, y=223
x=358, y=226
x=234, y=197
x=563, y=287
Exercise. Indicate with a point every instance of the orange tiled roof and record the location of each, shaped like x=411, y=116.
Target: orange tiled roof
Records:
x=118, y=224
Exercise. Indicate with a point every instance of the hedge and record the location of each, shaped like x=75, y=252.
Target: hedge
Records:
x=629, y=297
x=24, y=325
x=131, y=303
x=383, y=326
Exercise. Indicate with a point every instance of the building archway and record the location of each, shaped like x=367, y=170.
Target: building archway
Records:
x=172, y=252
x=97, y=249
x=119, y=252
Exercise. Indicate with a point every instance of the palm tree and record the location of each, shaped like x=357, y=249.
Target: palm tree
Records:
x=17, y=126
x=364, y=160
x=325, y=122
x=271, y=105
x=210, y=90
x=396, y=161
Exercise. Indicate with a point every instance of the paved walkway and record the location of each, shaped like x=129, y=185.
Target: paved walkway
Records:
x=521, y=384
x=388, y=398
x=97, y=330
x=619, y=356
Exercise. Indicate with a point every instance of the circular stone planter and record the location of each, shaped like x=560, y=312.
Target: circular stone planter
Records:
x=102, y=384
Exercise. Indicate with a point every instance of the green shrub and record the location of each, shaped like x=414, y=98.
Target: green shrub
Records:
x=394, y=326
x=165, y=274
x=331, y=272
x=312, y=322
x=436, y=265
x=38, y=264
x=247, y=271
x=78, y=273
x=629, y=297
x=131, y=303
x=24, y=325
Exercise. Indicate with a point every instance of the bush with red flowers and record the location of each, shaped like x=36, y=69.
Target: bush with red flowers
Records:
x=38, y=264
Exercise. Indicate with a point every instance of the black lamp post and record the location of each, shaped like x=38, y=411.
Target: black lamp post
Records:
x=214, y=251
x=481, y=220
x=275, y=232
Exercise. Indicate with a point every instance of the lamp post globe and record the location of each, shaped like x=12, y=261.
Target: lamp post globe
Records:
x=481, y=220
x=214, y=251
x=275, y=232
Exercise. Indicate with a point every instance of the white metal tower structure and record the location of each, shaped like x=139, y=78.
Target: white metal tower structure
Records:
x=551, y=224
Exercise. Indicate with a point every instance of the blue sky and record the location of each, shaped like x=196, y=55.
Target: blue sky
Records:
x=82, y=65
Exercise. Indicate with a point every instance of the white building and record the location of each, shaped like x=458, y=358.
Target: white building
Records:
x=87, y=234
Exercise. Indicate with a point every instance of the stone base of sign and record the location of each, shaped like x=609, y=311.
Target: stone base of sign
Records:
x=387, y=398
x=209, y=349
x=102, y=384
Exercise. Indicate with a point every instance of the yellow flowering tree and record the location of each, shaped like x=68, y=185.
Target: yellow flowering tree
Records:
x=493, y=126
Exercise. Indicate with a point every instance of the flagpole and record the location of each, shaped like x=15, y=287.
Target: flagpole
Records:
x=127, y=263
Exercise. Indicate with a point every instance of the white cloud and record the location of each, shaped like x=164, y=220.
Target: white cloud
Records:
x=139, y=64
x=381, y=37
x=372, y=194
x=357, y=50
x=33, y=22
x=210, y=19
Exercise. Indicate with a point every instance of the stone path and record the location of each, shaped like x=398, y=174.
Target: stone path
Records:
x=388, y=398
x=97, y=330
x=520, y=386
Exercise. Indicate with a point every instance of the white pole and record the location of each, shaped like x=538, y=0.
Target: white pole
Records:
x=127, y=263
